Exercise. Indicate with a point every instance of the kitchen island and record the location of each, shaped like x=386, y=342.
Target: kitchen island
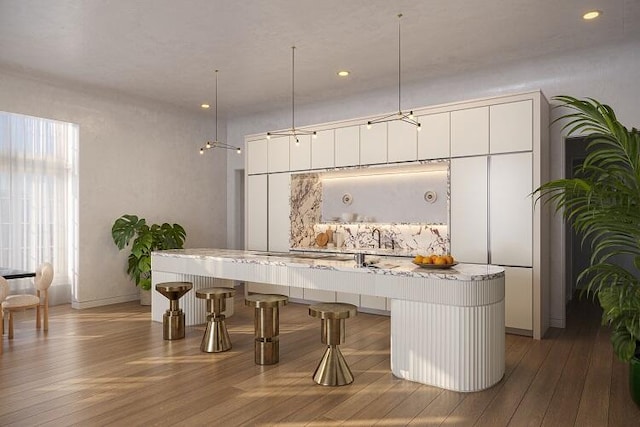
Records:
x=447, y=326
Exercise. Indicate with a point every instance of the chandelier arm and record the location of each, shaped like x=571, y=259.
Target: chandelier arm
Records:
x=399, y=65
x=217, y=105
x=293, y=84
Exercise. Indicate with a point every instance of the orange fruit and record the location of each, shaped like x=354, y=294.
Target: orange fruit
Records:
x=440, y=260
x=427, y=260
x=449, y=259
x=418, y=259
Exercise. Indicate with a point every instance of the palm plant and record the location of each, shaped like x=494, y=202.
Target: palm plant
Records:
x=145, y=240
x=602, y=203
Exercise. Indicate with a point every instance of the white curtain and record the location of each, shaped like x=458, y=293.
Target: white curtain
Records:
x=38, y=196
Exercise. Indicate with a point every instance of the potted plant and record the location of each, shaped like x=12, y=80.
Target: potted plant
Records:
x=145, y=240
x=602, y=203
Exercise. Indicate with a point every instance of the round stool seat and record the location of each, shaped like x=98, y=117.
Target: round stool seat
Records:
x=265, y=300
x=215, y=293
x=174, y=290
x=333, y=310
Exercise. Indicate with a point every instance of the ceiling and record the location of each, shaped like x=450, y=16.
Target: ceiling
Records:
x=167, y=50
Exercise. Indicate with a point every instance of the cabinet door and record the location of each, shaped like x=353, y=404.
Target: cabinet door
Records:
x=402, y=142
x=377, y=303
x=511, y=209
x=256, y=205
x=323, y=150
x=470, y=132
x=300, y=153
x=347, y=145
x=278, y=155
x=319, y=295
x=468, y=224
x=256, y=156
x=518, y=299
x=348, y=298
x=511, y=127
x=373, y=144
x=279, y=211
x=434, y=137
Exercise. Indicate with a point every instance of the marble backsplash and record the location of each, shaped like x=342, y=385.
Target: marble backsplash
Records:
x=395, y=238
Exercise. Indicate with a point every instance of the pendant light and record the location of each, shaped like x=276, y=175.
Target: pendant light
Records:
x=216, y=143
x=293, y=131
x=406, y=117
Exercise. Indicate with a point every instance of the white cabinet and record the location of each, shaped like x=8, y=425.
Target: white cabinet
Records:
x=402, y=142
x=377, y=303
x=348, y=298
x=279, y=212
x=468, y=202
x=323, y=150
x=470, y=132
x=373, y=144
x=256, y=156
x=256, y=212
x=511, y=127
x=300, y=153
x=434, y=137
x=511, y=209
x=319, y=295
x=347, y=146
x=518, y=298
x=278, y=155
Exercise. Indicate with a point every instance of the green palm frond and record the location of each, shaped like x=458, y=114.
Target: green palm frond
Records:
x=602, y=204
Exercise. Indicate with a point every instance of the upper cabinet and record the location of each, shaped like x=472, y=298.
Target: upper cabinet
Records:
x=323, y=150
x=434, y=137
x=470, y=132
x=402, y=142
x=300, y=153
x=278, y=156
x=347, y=146
x=256, y=218
x=511, y=127
x=373, y=144
x=256, y=156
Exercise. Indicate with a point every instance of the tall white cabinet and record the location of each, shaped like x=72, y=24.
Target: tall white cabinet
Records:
x=497, y=149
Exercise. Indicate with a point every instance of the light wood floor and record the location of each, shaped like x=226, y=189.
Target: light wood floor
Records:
x=110, y=366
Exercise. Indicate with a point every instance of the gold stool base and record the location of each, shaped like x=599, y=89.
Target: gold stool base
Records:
x=333, y=369
x=216, y=338
x=173, y=325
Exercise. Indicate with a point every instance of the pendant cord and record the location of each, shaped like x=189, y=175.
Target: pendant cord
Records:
x=399, y=65
x=216, y=105
x=293, y=83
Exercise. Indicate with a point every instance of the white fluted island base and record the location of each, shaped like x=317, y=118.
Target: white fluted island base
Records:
x=452, y=347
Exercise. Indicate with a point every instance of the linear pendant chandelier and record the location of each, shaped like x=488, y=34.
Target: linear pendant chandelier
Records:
x=406, y=117
x=293, y=131
x=216, y=143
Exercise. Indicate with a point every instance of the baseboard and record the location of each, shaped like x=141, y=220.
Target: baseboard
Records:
x=557, y=323
x=106, y=301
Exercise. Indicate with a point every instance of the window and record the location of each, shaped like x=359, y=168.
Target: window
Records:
x=38, y=195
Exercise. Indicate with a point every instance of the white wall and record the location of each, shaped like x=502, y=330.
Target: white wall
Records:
x=608, y=74
x=135, y=157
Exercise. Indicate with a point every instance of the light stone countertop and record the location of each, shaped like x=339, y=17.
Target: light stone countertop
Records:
x=385, y=265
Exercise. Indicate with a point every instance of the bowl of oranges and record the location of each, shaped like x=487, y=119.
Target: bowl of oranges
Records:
x=434, y=261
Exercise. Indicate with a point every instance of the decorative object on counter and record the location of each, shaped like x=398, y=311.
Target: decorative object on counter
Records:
x=348, y=217
x=406, y=117
x=347, y=199
x=430, y=196
x=217, y=144
x=144, y=239
x=173, y=318
x=359, y=258
x=216, y=338
x=602, y=204
x=339, y=238
x=293, y=131
x=267, y=326
x=322, y=239
x=333, y=369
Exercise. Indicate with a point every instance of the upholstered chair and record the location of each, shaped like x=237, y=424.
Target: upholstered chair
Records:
x=39, y=301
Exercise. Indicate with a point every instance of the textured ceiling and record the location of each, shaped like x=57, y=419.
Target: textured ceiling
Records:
x=166, y=50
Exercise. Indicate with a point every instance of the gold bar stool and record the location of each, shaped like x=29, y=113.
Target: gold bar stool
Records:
x=267, y=326
x=216, y=338
x=333, y=369
x=173, y=318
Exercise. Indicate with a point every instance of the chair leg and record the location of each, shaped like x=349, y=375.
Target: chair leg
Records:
x=46, y=317
x=10, y=315
x=38, y=325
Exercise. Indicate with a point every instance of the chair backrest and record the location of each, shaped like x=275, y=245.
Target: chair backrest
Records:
x=44, y=276
x=4, y=288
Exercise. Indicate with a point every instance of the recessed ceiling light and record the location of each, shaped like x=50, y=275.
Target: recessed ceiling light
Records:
x=205, y=106
x=343, y=73
x=592, y=14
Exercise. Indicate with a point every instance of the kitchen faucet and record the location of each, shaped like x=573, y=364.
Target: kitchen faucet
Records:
x=373, y=234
